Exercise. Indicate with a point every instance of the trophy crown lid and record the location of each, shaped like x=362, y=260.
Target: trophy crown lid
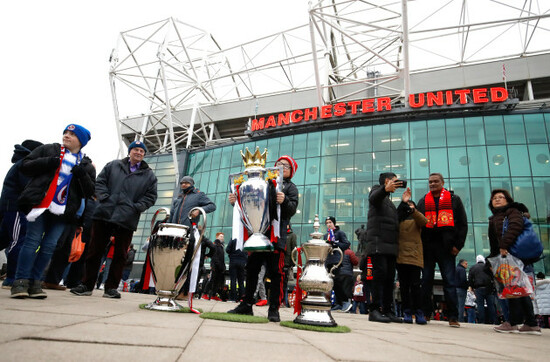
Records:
x=255, y=159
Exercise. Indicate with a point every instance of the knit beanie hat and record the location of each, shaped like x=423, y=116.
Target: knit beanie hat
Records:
x=293, y=164
x=331, y=218
x=137, y=144
x=81, y=133
x=188, y=179
x=480, y=259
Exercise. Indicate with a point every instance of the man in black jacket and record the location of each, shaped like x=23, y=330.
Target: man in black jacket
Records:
x=481, y=280
x=288, y=200
x=461, y=287
x=382, y=246
x=217, y=267
x=237, y=265
x=442, y=238
x=125, y=188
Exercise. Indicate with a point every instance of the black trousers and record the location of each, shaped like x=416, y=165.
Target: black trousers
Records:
x=343, y=288
x=275, y=263
x=383, y=273
x=60, y=257
x=409, y=283
x=237, y=275
x=217, y=282
x=521, y=311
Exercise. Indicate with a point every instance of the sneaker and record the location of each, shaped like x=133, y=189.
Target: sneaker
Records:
x=243, y=308
x=101, y=287
x=419, y=317
x=525, y=329
x=20, y=288
x=205, y=297
x=453, y=322
x=506, y=327
x=346, y=307
x=81, y=290
x=35, y=290
x=261, y=303
x=7, y=283
x=393, y=318
x=216, y=298
x=336, y=307
x=273, y=315
x=407, y=317
x=111, y=293
x=377, y=316
x=54, y=286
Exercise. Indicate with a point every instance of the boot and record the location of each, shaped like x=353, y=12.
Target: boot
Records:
x=35, y=290
x=243, y=308
x=408, y=318
x=420, y=319
x=273, y=314
x=377, y=316
x=20, y=288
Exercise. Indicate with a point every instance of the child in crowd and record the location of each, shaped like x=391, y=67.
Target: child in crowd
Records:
x=359, y=297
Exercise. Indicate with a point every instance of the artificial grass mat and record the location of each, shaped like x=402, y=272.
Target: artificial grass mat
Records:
x=305, y=327
x=184, y=310
x=234, y=317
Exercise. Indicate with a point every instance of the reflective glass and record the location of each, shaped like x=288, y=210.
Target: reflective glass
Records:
x=327, y=200
x=541, y=189
x=363, y=139
x=361, y=200
x=344, y=202
x=273, y=150
x=418, y=134
x=399, y=136
x=481, y=191
x=287, y=146
x=382, y=163
x=216, y=158
x=498, y=161
x=299, y=177
x=494, y=130
x=477, y=158
x=501, y=183
x=523, y=192
x=328, y=169
x=515, y=133
x=345, y=168
x=419, y=164
x=540, y=159
x=329, y=143
x=535, y=128
x=346, y=139
x=519, y=161
x=381, y=137
x=363, y=167
x=458, y=162
x=455, y=132
x=438, y=161
x=300, y=143
x=313, y=144
x=474, y=131
x=436, y=133
x=400, y=164
x=481, y=240
x=312, y=170
x=461, y=187
x=310, y=203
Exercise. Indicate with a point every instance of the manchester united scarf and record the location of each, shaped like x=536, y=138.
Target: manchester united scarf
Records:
x=445, y=215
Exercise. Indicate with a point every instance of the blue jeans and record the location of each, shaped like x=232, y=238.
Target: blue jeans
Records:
x=485, y=294
x=471, y=314
x=461, y=295
x=362, y=307
x=436, y=252
x=40, y=242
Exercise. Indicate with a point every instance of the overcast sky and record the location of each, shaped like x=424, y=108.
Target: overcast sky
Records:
x=54, y=59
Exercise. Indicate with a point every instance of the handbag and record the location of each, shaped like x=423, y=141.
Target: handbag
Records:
x=77, y=248
x=510, y=279
x=528, y=245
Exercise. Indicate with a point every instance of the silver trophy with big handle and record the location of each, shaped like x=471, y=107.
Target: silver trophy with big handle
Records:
x=251, y=187
x=171, y=255
x=315, y=280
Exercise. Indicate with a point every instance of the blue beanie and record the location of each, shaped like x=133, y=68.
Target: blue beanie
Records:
x=81, y=133
x=137, y=144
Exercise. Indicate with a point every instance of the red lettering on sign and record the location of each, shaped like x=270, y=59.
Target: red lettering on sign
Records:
x=258, y=124
x=413, y=103
x=436, y=98
x=499, y=94
x=449, y=97
x=462, y=95
x=270, y=122
x=368, y=105
x=384, y=103
x=296, y=116
x=310, y=113
x=480, y=95
x=326, y=111
x=283, y=118
x=353, y=105
x=339, y=109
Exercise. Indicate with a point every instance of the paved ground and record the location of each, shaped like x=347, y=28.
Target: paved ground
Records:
x=64, y=327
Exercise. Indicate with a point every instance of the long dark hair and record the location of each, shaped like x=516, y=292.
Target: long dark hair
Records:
x=506, y=194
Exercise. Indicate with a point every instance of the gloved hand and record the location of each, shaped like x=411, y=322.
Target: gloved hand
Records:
x=78, y=171
x=53, y=162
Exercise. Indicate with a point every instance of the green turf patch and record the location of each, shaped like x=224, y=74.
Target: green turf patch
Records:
x=305, y=327
x=184, y=310
x=234, y=317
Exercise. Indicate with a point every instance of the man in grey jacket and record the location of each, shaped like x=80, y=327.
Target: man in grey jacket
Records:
x=124, y=188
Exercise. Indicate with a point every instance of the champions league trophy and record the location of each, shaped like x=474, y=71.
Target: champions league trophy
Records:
x=316, y=281
x=253, y=197
x=171, y=257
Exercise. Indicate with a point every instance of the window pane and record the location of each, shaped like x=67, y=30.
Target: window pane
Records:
x=477, y=156
x=461, y=187
x=299, y=177
x=474, y=131
x=501, y=183
x=225, y=160
x=314, y=144
x=328, y=200
x=345, y=140
x=287, y=146
x=419, y=164
x=519, y=161
x=345, y=168
x=328, y=169
x=363, y=139
x=381, y=163
x=438, y=160
x=540, y=162
x=310, y=203
x=400, y=164
x=436, y=133
x=498, y=161
x=312, y=170
x=363, y=168
x=330, y=142
x=344, y=202
x=300, y=141
x=494, y=130
x=361, y=200
x=418, y=134
x=523, y=192
x=542, y=187
x=514, y=129
x=535, y=129
x=273, y=150
x=399, y=136
x=481, y=192
x=458, y=162
x=455, y=132
x=216, y=157
x=381, y=137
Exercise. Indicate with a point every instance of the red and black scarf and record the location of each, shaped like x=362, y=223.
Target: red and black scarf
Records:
x=445, y=216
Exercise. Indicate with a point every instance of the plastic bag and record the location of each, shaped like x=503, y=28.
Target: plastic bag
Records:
x=77, y=248
x=510, y=279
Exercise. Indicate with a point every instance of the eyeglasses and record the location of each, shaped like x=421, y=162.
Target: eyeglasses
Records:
x=286, y=167
x=499, y=198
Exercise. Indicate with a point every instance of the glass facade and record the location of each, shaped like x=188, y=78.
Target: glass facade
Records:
x=337, y=168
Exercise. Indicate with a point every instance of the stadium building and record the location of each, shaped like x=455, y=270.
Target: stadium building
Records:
x=408, y=87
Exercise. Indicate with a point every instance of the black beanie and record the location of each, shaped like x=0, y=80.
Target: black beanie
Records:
x=331, y=218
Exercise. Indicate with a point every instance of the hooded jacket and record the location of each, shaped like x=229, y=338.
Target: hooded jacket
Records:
x=187, y=200
x=382, y=224
x=124, y=195
x=38, y=166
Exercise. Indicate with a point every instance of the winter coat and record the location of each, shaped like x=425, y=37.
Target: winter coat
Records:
x=461, y=279
x=236, y=257
x=130, y=259
x=514, y=213
x=410, y=241
x=186, y=201
x=383, y=224
x=290, y=245
x=449, y=236
x=124, y=195
x=341, y=241
x=480, y=276
x=217, y=257
x=39, y=167
x=15, y=181
x=348, y=262
x=542, y=297
x=288, y=209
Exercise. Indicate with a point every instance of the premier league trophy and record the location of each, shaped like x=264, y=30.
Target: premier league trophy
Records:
x=254, y=197
x=316, y=281
x=171, y=256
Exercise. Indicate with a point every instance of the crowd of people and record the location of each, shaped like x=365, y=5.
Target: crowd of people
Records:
x=51, y=195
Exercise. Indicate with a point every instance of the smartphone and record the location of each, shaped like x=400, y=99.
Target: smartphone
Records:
x=403, y=185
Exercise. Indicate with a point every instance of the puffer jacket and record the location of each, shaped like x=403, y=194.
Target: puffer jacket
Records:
x=410, y=241
x=383, y=224
x=41, y=170
x=124, y=195
x=187, y=200
x=15, y=181
x=480, y=276
x=542, y=297
x=514, y=213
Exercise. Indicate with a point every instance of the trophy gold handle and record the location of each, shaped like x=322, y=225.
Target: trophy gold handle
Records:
x=340, y=262
x=294, y=252
x=156, y=215
x=202, y=228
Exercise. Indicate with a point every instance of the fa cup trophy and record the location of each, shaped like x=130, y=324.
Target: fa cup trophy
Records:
x=316, y=281
x=254, y=197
